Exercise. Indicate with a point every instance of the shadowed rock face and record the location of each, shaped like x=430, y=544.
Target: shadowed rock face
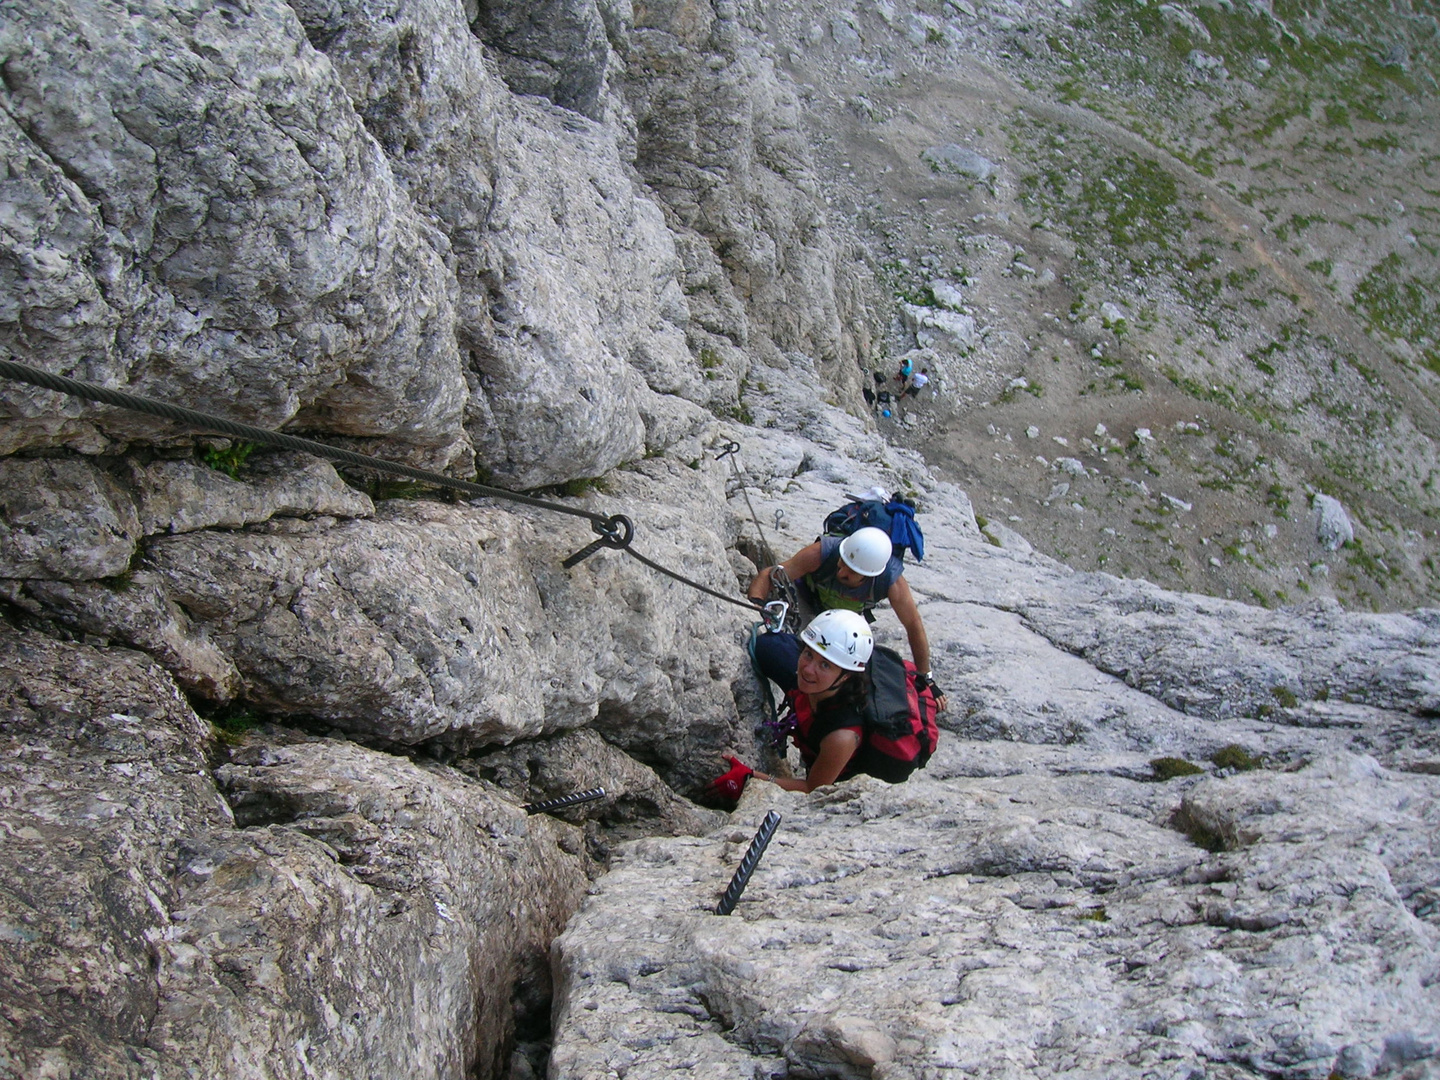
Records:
x=557, y=50
x=273, y=916
x=549, y=242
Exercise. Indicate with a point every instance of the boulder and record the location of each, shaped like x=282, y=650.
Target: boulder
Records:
x=1332, y=525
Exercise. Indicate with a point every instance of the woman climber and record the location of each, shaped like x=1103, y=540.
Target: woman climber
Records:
x=826, y=687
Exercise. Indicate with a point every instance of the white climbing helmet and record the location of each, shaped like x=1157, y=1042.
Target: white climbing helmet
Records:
x=867, y=551
x=842, y=637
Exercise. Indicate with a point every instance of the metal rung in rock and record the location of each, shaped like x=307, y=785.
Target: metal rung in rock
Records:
x=565, y=800
x=748, y=864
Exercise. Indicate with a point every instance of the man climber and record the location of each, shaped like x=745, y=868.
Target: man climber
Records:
x=854, y=573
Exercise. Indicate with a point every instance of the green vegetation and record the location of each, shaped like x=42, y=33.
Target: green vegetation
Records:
x=1277, y=500
x=231, y=725
x=1168, y=768
x=228, y=459
x=740, y=412
x=991, y=540
x=1284, y=697
x=1202, y=835
x=1031, y=387
x=382, y=488
x=121, y=582
x=1372, y=566
x=583, y=485
x=1127, y=207
x=1095, y=914
x=1398, y=305
x=1235, y=757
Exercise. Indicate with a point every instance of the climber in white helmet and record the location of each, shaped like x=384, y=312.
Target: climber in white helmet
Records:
x=826, y=687
x=853, y=573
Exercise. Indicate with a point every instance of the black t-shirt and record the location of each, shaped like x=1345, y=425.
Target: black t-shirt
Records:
x=831, y=716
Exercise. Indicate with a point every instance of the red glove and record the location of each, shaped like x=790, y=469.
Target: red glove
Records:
x=731, y=784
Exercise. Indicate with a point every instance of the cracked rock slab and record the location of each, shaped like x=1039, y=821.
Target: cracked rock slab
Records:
x=1009, y=925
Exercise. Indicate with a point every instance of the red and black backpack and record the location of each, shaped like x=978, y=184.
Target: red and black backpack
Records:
x=899, y=732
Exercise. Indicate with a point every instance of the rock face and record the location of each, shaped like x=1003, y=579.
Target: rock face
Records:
x=201, y=201
x=1024, y=921
x=267, y=731
x=163, y=920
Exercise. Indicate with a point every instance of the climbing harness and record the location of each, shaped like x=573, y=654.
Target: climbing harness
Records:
x=748, y=863
x=777, y=728
x=614, y=531
x=777, y=617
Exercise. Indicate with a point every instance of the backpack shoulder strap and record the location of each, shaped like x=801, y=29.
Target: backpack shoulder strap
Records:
x=888, y=704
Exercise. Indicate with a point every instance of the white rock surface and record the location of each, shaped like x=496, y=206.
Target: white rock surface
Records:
x=1332, y=525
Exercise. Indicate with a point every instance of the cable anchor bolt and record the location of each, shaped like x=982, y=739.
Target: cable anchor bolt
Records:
x=615, y=532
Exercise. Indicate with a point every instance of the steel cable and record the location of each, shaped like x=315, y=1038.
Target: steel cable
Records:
x=732, y=450
x=614, y=531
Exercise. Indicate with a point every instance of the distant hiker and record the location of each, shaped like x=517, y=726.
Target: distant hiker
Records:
x=854, y=572
x=873, y=394
x=917, y=382
x=906, y=366
x=845, y=723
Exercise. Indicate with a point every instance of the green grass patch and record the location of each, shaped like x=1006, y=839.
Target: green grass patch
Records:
x=1235, y=757
x=228, y=459
x=1168, y=768
x=231, y=725
x=584, y=485
x=1398, y=304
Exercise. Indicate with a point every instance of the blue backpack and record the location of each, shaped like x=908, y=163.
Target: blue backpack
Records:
x=895, y=517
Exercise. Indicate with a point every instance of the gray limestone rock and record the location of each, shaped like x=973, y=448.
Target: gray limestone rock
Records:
x=204, y=218
x=721, y=142
x=136, y=611
x=959, y=160
x=1025, y=923
x=146, y=929
x=1332, y=525
x=636, y=803
x=451, y=623
x=1007, y=538
x=182, y=496
x=64, y=518
x=557, y=49
x=938, y=326
x=565, y=278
